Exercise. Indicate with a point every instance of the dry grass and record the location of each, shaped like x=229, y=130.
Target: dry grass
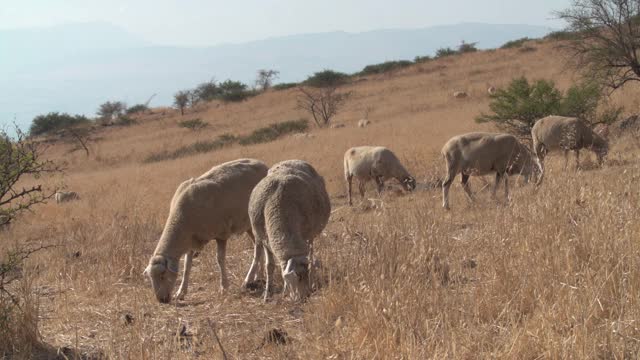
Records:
x=552, y=274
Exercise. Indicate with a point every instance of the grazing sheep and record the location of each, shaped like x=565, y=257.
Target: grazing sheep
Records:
x=364, y=123
x=288, y=209
x=479, y=154
x=460, y=94
x=491, y=90
x=565, y=133
x=65, y=196
x=212, y=206
x=374, y=163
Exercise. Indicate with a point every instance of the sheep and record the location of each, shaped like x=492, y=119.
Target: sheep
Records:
x=288, y=209
x=65, y=196
x=566, y=133
x=491, y=90
x=212, y=206
x=479, y=154
x=374, y=163
x=460, y=94
x=364, y=123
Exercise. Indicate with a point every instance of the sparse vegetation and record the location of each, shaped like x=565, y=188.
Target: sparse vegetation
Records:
x=284, y=86
x=55, y=121
x=111, y=110
x=385, y=67
x=442, y=52
x=422, y=59
x=261, y=135
x=138, y=108
x=274, y=131
x=467, y=48
x=193, y=124
x=515, y=43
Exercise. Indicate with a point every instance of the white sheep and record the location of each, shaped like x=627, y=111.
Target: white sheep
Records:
x=363, y=123
x=374, y=163
x=566, y=133
x=65, y=196
x=479, y=154
x=460, y=94
x=288, y=209
x=212, y=206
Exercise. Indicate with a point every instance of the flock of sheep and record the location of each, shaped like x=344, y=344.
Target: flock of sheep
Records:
x=283, y=208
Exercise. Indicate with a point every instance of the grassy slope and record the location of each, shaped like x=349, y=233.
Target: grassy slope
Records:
x=552, y=274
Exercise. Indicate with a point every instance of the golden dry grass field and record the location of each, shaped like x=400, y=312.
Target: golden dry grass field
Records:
x=552, y=274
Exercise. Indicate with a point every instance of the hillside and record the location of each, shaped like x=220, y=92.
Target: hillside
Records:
x=95, y=62
x=550, y=274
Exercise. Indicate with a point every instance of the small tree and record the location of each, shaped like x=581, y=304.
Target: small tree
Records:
x=323, y=104
x=266, y=78
x=19, y=158
x=605, y=41
x=442, y=52
x=467, y=47
x=138, y=108
x=516, y=108
x=207, y=91
x=111, y=110
x=181, y=100
x=327, y=78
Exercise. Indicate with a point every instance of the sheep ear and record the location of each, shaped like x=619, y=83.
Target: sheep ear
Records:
x=147, y=271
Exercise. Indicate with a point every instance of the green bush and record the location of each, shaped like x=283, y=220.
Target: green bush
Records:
x=53, y=121
x=327, y=78
x=514, y=43
x=561, y=35
x=516, y=108
x=284, y=86
x=422, y=59
x=442, y=52
x=274, y=131
x=207, y=91
x=233, y=91
x=193, y=124
x=385, y=67
x=195, y=148
x=139, y=108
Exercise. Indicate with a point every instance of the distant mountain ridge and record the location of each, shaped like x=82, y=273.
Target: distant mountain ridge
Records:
x=74, y=68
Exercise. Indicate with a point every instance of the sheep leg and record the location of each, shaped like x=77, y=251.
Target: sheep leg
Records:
x=260, y=262
x=496, y=185
x=445, y=190
x=271, y=265
x=361, y=188
x=256, y=265
x=466, y=187
x=380, y=184
x=349, y=180
x=506, y=187
x=184, y=285
x=222, y=252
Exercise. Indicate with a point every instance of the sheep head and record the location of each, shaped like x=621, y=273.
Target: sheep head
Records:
x=163, y=273
x=296, y=277
x=409, y=183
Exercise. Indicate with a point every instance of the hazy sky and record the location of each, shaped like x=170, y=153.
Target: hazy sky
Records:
x=209, y=22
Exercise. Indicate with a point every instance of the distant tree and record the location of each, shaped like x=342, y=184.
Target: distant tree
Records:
x=181, y=100
x=19, y=158
x=266, y=78
x=234, y=91
x=327, y=78
x=322, y=104
x=605, y=39
x=207, y=91
x=466, y=47
x=442, y=52
x=111, y=110
x=54, y=121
